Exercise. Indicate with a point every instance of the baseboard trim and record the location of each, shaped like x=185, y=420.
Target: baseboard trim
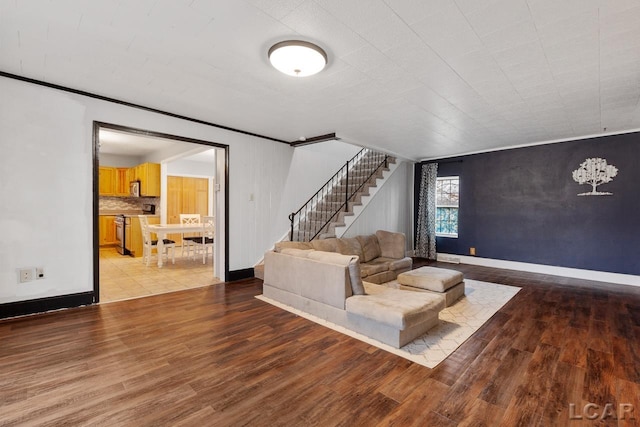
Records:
x=245, y=273
x=576, y=273
x=41, y=305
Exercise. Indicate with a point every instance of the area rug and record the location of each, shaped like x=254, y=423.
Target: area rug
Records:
x=457, y=322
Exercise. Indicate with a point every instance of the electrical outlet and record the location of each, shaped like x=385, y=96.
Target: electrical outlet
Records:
x=472, y=251
x=26, y=275
x=39, y=273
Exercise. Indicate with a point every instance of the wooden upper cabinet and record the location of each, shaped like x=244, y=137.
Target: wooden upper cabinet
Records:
x=122, y=181
x=149, y=176
x=115, y=181
x=106, y=181
x=133, y=174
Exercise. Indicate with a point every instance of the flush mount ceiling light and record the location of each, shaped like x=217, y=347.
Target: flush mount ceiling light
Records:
x=297, y=58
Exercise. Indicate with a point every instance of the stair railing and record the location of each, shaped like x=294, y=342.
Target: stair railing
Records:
x=334, y=196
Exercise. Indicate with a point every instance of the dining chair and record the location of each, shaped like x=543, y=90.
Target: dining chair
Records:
x=187, y=240
x=204, y=242
x=149, y=244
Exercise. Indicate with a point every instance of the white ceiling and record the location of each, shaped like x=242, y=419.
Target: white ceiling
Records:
x=132, y=145
x=129, y=144
x=418, y=78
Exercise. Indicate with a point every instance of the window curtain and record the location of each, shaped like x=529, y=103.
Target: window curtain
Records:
x=426, y=232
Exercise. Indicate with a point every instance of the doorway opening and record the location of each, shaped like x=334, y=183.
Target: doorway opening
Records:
x=135, y=173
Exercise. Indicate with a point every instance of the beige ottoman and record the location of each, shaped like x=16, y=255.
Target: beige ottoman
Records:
x=436, y=280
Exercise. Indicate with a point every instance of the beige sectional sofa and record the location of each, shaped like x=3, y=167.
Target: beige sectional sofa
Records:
x=382, y=255
x=328, y=284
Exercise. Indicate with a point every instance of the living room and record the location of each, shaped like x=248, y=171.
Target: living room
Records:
x=511, y=97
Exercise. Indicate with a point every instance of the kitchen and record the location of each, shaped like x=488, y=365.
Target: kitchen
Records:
x=159, y=178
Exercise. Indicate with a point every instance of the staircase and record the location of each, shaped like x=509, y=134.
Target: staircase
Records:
x=328, y=208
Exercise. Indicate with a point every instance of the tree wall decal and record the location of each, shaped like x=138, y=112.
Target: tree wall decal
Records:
x=595, y=171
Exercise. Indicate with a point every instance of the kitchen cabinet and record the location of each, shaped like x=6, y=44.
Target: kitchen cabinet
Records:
x=149, y=176
x=186, y=195
x=133, y=174
x=107, y=230
x=114, y=181
x=121, y=182
x=150, y=179
x=133, y=235
x=106, y=181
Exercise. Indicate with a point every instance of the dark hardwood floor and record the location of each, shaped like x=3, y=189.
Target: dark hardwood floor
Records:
x=218, y=356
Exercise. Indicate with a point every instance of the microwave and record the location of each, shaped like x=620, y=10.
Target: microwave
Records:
x=134, y=189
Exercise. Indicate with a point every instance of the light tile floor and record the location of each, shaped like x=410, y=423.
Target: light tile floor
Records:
x=125, y=277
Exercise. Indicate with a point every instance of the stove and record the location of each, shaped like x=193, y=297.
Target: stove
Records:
x=121, y=231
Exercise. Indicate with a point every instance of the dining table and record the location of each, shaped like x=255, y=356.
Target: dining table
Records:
x=163, y=229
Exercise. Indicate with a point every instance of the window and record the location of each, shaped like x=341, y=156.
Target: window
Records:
x=447, y=202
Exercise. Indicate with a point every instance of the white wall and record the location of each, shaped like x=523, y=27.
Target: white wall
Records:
x=118, y=160
x=46, y=184
x=191, y=168
x=46, y=191
x=390, y=208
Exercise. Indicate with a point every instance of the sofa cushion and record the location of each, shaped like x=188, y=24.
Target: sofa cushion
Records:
x=352, y=262
x=371, y=269
x=381, y=261
x=295, y=245
x=326, y=245
x=350, y=246
x=394, y=307
x=396, y=264
x=302, y=253
x=370, y=247
x=331, y=257
x=392, y=245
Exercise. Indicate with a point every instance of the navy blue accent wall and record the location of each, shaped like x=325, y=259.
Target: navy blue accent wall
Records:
x=523, y=205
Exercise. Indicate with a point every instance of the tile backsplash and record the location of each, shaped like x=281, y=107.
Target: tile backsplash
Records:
x=126, y=203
